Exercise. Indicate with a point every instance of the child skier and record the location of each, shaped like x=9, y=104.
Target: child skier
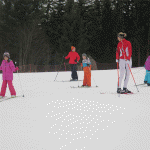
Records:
x=147, y=67
x=87, y=70
x=73, y=55
x=7, y=68
x=123, y=56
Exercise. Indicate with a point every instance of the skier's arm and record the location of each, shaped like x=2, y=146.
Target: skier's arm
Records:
x=117, y=54
x=1, y=67
x=78, y=57
x=130, y=50
x=12, y=66
x=89, y=62
x=68, y=56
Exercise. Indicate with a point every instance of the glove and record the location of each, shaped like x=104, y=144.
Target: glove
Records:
x=117, y=60
x=16, y=69
x=88, y=65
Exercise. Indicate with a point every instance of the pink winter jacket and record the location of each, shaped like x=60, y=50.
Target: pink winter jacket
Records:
x=7, y=68
x=147, y=63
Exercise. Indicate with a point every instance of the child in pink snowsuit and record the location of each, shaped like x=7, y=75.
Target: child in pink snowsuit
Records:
x=7, y=68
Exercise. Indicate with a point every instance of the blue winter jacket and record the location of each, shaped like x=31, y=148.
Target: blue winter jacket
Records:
x=85, y=62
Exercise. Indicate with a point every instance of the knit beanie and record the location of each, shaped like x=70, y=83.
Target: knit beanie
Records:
x=72, y=47
x=84, y=55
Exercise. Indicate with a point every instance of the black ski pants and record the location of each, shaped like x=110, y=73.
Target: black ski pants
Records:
x=74, y=71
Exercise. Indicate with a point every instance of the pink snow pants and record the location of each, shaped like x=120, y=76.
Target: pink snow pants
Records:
x=4, y=86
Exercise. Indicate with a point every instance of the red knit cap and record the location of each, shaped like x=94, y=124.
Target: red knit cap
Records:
x=72, y=47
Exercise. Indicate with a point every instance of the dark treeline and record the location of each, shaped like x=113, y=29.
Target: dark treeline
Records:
x=41, y=32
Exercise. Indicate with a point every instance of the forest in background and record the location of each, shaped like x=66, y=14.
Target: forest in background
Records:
x=41, y=32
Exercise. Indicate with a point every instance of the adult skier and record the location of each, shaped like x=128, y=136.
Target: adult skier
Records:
x=123, y=56
x=74, y=59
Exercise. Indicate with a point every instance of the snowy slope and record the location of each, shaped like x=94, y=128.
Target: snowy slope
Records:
x=53, y=116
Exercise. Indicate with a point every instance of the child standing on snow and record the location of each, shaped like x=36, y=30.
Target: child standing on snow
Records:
x=147, y=67
x=7, y=68
x=87, y=70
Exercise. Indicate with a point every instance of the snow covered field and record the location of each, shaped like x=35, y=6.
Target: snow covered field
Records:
x=53, y=116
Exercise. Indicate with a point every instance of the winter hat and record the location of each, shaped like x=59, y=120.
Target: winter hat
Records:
x=84, y=55
x=122, y=35
x=72, y=47
x=6, y=54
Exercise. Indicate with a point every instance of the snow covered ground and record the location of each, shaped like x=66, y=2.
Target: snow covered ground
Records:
x=53, y=116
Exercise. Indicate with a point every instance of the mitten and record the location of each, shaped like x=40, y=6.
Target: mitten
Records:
x=16, y=69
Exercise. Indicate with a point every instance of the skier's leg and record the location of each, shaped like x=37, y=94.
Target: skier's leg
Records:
x=11, y=88
x=3, y=89
x=76, y=76
x=85, y=77
x=71, y=70
x=88, y=77
x=146, y=76
x=127, y=75
x=122, y=70
x=74, y=72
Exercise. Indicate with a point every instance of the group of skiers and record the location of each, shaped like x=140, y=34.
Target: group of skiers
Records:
x=86, y=64
x=123, y=58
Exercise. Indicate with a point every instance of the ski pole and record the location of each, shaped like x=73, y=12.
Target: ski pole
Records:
x=78, y=74
x=133, y=77
x=118, y=76
x=59, y=68
x=118, y=73
x=20, y=82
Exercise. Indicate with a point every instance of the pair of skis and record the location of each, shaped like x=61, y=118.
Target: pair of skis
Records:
x=84, y=86
x=101, y=92
x=8, y=98
x=69, y=81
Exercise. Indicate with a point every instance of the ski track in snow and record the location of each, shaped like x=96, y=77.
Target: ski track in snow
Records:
x=54, y=116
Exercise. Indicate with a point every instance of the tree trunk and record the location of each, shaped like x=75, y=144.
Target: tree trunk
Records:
x=139, y=57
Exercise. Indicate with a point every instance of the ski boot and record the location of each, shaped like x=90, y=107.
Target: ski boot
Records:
x=71, y=79
x=148, y=84
x=145, y=82
x=1, y=97
x=120, y=91
x=83, y=85
x=13, y=96
x=126, y=90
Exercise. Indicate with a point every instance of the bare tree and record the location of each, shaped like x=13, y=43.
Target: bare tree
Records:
x=33, y=44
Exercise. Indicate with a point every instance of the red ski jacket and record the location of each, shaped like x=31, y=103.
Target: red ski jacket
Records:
x=126, y=52
x=73, y=56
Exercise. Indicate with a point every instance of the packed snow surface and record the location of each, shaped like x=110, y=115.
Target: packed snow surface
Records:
x=53, y=116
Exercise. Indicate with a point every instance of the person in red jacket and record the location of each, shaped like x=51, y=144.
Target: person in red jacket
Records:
x=123, y=56
x=74, y=59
